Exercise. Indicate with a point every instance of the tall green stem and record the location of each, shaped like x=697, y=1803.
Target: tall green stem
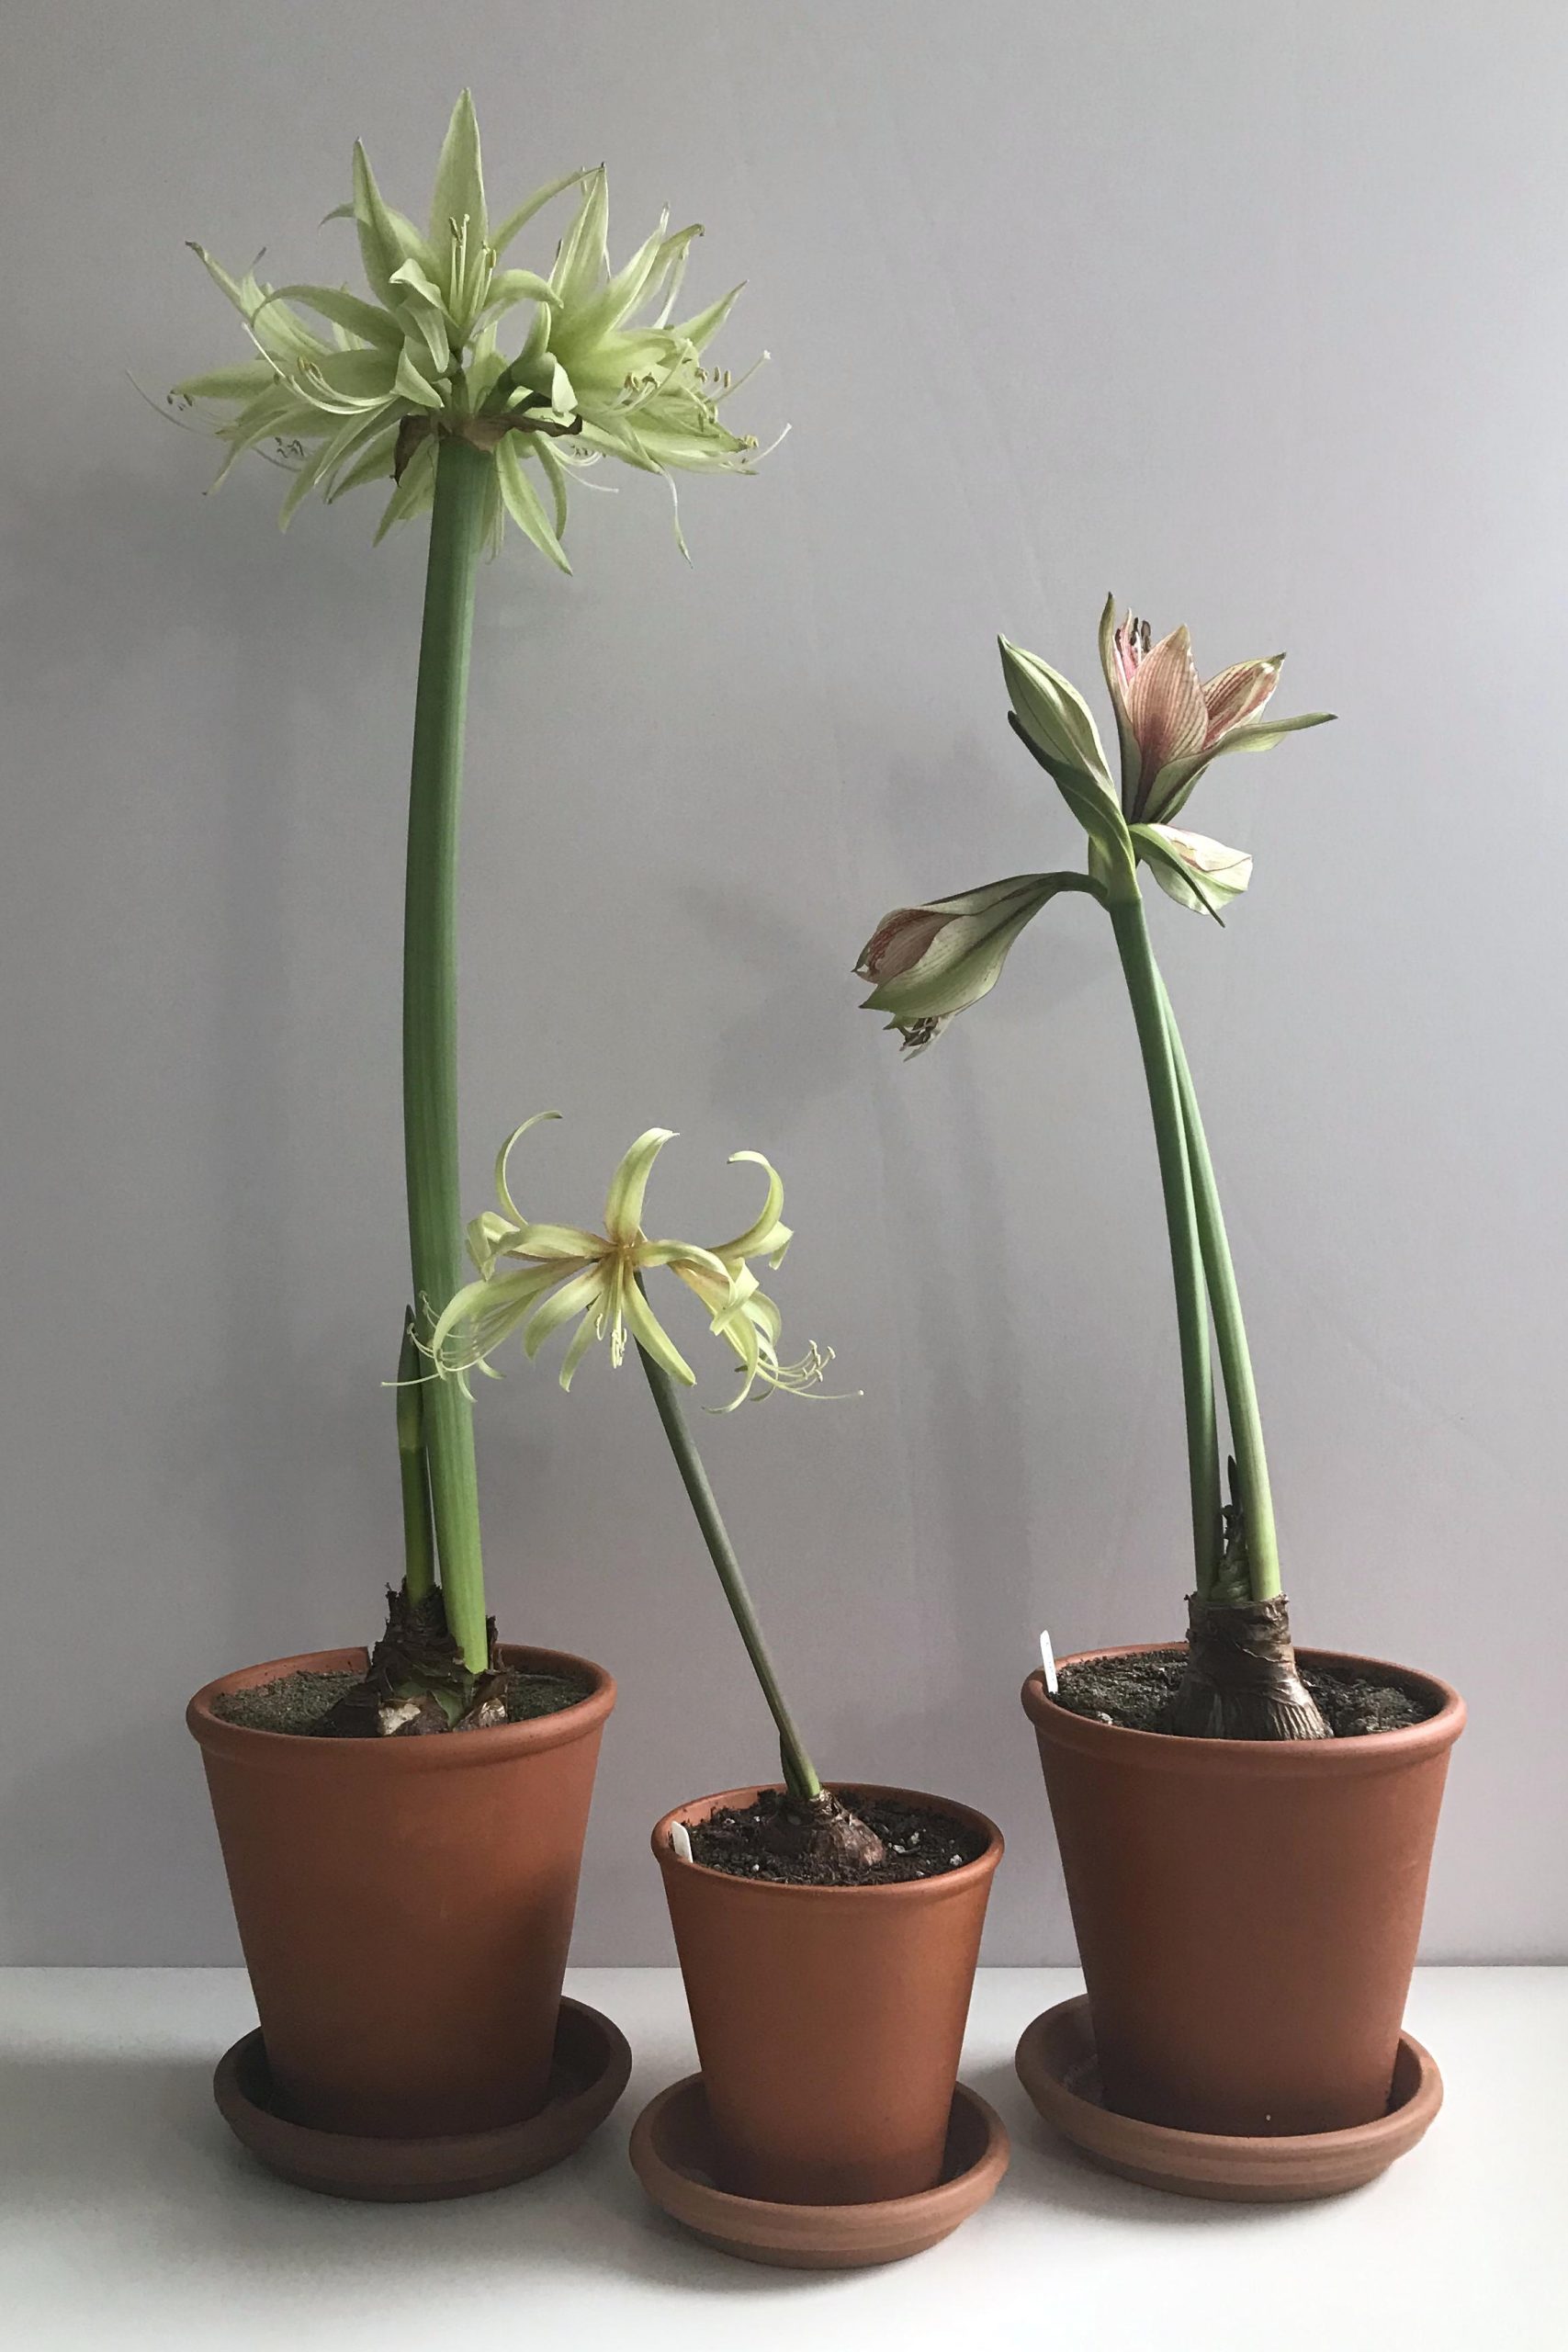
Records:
x=419, y=1540
x=430, y=1020
x=798, y=1770
x=1230, y=1331
x=1145, y=989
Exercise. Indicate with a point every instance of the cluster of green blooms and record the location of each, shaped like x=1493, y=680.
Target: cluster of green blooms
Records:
x=368, y=396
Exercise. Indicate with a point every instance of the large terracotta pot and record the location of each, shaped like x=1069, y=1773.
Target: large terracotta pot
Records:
x=405, y=1905
x=1247, y=1911
x=828, y=2020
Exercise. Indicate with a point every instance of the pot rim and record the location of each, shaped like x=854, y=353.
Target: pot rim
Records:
x=967, y=1875
x=1360, y=1752
x=500, y=1743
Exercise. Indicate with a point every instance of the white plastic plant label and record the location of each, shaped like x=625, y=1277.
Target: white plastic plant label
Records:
x=1048, y=1660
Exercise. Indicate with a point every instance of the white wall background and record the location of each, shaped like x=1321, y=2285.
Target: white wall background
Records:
x=1255, y=312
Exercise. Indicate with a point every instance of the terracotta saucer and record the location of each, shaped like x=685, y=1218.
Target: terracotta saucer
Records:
x=593, y=2064
x=672, y=2153
x=1057, y=2065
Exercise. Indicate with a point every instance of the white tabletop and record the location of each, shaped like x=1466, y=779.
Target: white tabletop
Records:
x=129, y=2217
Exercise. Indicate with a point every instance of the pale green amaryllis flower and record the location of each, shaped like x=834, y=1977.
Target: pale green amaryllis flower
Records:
x=365, y=388
x=633, y=386
x=533, y=1278
x=930, y=963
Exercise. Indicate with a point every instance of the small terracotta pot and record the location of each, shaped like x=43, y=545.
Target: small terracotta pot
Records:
x=828, y=2020
x=405, y=1905
x=1247, y=1911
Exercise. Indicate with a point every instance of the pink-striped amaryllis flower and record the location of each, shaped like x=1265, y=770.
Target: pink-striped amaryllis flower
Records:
x=927, y=963
x=1171, y=722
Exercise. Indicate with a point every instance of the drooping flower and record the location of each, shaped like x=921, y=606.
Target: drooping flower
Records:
x=369, y=394
x=929, y=963
x=1172, y=723
x=533, y=1278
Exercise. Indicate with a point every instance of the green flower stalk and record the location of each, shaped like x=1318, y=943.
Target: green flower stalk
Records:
x=930, y=963
x=427, y=384
x=533, y=1278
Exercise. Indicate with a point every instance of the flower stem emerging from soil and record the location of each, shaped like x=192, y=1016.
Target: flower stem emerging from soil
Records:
x=814, y=1823
x=419, y=1536
x=418, y=1682
x=1241, y=1680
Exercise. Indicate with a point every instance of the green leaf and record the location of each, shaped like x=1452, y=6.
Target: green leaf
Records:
x=1172, y=789
x=241, y=382
x=385, y=239
x=652, y=1336
x=623, y=1204
x=373, y=325
x=1092, y=803
x=1191, y=868
x=485, y=368
x=510, y=287
x=459, y=191
x=304, y=483
x=554, y=474
x=616, y=439
x=380, y=249
x=1054, y=715
x=516, y=221
x=226, y=285
x=1267, y=732
x=580, y=1293
x=522, y=500
x=342, y=382
x=582, y=255
x=412, y=385
x=413, y=493
x=625, y=291
x=700, y=330
x=374, y=462
x=422, y=303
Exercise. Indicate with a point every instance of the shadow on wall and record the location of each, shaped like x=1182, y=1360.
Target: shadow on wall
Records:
x=111, y=567
x=68, y=1897
x=785, y=1049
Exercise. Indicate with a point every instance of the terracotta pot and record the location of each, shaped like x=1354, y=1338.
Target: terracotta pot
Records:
x=1247, y=1911
x=828, y=2020
x=405, y=1905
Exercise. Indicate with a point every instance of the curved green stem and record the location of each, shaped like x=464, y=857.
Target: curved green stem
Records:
x=430, y=1020
x=799, y=1770
x=1230, y=1332
x=1145, y=989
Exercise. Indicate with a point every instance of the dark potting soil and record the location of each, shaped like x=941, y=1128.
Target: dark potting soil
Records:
x=1136, y=1692
x=921, y=1842
x=299, y=1703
